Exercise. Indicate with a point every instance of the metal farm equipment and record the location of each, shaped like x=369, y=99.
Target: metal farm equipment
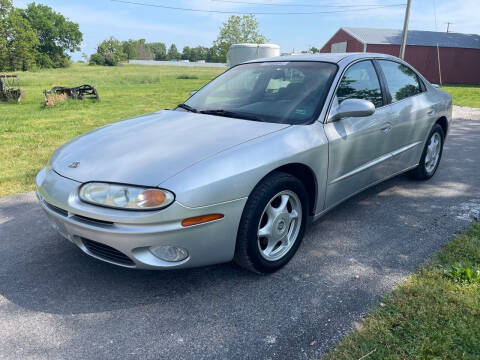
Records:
x=10, y=88
x=60, y=93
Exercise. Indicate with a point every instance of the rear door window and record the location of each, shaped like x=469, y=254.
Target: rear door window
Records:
x=361, y=82
x=402, y=82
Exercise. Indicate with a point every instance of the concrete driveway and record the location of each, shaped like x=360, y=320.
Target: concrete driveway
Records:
x=56, y=302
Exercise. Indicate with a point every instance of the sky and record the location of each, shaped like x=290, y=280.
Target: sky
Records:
x=100, y=19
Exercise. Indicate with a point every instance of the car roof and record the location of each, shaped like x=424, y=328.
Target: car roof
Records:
x=322, y=57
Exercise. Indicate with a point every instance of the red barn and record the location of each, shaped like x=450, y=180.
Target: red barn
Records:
x=459, y=53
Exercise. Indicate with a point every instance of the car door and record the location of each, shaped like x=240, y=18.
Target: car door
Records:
x=410, y=113
x=358, y=147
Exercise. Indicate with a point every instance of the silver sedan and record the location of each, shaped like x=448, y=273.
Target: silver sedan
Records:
x=239, y=170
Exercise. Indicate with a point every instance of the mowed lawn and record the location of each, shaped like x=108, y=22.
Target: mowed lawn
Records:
x=464, y=95
x=30, y=132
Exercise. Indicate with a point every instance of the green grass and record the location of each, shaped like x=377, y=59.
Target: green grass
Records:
x=464, y=95
x=29, y=132
x=434, y=314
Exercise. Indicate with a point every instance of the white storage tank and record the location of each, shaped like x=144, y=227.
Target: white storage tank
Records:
x=239, y=53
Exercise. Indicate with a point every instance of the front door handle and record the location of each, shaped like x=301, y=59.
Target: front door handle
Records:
x=431, y=112
x=386, y=129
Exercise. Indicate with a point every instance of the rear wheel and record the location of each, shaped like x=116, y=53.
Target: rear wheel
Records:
x=272, y=224
x=432, y=153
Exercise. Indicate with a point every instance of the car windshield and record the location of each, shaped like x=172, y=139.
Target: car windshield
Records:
x=290, y=92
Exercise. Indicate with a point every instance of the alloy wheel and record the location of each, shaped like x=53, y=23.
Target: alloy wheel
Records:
x=433, y=152
x=279, y=225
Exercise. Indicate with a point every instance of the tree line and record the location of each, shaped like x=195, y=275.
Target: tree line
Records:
x=112, y=51
x=35, y=37
x=238, y=29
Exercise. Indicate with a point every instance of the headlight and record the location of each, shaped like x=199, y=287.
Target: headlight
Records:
x=125, y=196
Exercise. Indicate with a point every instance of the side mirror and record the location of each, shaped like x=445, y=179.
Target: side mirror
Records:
x=193, y=92
x=353, y=108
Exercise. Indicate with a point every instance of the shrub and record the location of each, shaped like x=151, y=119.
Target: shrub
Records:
x=109, y=52
x=187, y=77
x=97, y=59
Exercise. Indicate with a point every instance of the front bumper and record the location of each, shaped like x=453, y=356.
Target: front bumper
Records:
x=124, y=237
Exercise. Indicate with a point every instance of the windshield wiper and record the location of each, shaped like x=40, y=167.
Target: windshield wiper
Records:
x=231, y=114
x=187, y=107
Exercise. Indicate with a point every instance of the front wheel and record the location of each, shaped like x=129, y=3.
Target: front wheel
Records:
x=432, y=153
x=272, y=224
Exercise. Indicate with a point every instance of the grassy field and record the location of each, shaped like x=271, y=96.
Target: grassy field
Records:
x=434, y=314
x=464, y=95
x=29, y=132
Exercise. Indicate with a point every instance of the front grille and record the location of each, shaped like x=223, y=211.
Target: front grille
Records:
x=56, y=209
x=106, y=252
x=76, y=217
x=84, y=218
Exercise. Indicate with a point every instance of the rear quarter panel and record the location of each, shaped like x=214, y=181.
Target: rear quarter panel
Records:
x=413, y=119
x=444, y=105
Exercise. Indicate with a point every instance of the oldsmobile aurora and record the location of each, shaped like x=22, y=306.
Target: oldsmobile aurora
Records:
x=239, y=169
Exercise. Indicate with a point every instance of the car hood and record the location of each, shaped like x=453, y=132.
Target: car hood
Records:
x=149, y=149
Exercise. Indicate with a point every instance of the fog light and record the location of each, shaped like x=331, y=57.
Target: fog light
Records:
x=169, y=253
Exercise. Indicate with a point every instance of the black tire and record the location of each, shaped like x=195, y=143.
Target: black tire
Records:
x=247, y=252
x=421, y=172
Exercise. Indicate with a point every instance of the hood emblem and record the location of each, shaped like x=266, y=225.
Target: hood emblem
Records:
x=74, y=164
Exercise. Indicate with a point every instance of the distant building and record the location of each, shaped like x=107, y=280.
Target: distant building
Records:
x=459, y=53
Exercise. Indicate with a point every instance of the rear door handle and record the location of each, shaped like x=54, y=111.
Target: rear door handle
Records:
x=431, y=112
x=386, y=129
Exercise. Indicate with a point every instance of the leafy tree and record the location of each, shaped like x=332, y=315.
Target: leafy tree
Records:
x=109, y=52
x=129, y=47
x=18, y=41
x=238, y=29
x=97, y=59
x=212, y=55
x=199, y=53
x=159, y=50
x=173, y=52
x=143, y=51
x=195, y=54
x=136, y=49
x=314, y=50
x=186, y=53
x=56, y=34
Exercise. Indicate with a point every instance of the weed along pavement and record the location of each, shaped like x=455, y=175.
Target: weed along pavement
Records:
x=56, y=302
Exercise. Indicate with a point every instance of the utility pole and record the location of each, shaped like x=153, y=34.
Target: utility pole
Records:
x=448, y=26
x=405, y=30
